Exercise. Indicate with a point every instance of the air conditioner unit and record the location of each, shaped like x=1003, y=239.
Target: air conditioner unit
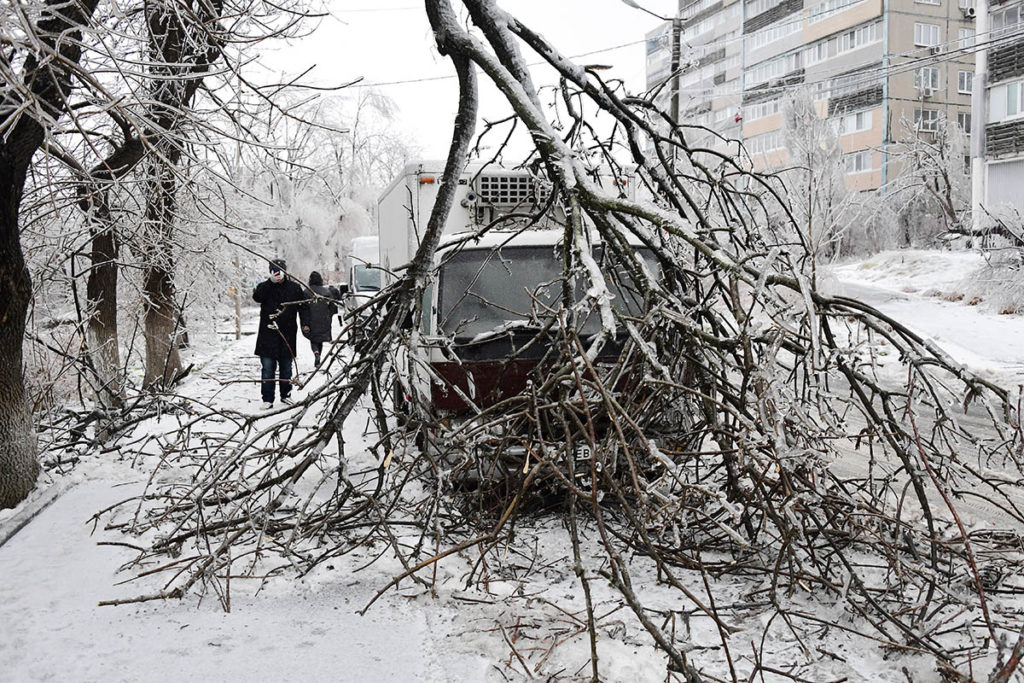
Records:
x=968, y=12
x=927, y=93
x=935, y=49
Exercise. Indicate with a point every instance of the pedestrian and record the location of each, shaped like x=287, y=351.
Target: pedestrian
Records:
x=281, y=300
x=316, y=317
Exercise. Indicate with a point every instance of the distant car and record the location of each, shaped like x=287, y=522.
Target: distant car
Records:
x=364, y=274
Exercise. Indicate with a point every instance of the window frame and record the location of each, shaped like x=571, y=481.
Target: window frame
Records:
x=933, y=29
x=1016, y=87
x=853, y=165
x=963, y=119
x=927, y=124
x=856, y=122
x=934, y=78
x=960, y=79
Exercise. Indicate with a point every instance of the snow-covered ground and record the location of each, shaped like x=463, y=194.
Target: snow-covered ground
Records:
x=55, y=570
x=915, y=287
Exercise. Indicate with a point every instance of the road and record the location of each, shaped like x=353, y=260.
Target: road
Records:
x=988, y=344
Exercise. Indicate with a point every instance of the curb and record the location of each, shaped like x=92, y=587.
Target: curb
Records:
x=31, y=508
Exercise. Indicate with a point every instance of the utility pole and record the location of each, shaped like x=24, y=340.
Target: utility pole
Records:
x=677, y=32
x=979, y=114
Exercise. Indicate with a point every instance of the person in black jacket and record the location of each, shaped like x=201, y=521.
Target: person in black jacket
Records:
x=280, y=300
x=316, y=317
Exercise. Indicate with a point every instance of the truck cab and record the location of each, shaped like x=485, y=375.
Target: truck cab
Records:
x=487, y=319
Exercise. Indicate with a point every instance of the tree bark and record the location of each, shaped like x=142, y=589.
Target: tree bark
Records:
x=18, y=464
x=163, y=359
x=172, y=44
x=49, y=81
x=101, y=328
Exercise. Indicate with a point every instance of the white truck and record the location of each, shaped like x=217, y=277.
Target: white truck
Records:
x=480, y=319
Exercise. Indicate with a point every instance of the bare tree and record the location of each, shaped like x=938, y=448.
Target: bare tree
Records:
x=816, y=178
x=933, y=182
x=36, y=85
x=184, y=44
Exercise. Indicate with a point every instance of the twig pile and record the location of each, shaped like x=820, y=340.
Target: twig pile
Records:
x=750, y=426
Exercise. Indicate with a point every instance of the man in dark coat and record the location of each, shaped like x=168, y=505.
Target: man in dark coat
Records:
x=280, y=301
x=316, y=317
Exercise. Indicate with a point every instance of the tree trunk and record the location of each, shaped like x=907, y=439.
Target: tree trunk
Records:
x=163, y=360
x=101, y=330
x=50, y=84
x=18, y=464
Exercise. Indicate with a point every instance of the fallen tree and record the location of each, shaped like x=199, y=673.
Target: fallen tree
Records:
x=752, y=425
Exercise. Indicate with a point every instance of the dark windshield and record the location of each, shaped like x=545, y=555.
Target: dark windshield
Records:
x=367, y=278
x=485, y=291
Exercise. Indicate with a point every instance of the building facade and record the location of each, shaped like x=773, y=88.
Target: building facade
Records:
x=1004, y=106
x=881, y=70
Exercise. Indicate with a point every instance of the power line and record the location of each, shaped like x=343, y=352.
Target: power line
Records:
x=918, y=57
x=429, y=79
x=375, y=9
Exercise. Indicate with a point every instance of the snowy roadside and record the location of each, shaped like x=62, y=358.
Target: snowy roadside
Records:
x=915, y=287
x=59, y=567
x=524, y=619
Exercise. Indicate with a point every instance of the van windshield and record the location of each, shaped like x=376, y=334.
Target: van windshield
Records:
x=367, y=278
x=485, y=290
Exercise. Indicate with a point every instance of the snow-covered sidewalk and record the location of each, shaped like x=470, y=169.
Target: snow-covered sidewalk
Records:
x=55, y=574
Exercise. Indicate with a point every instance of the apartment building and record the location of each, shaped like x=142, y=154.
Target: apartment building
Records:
x=880, y=69
x=1004, y=123
x=710, y=83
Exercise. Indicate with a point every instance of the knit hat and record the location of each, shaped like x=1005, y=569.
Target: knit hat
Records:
x=316, y=279
x=278, y=264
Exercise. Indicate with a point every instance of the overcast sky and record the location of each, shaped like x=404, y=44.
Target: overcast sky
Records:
x=388, y=43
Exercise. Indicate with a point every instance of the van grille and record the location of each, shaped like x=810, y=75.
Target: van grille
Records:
x=509, y=190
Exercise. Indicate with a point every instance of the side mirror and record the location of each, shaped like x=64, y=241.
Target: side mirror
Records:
x=343, y=288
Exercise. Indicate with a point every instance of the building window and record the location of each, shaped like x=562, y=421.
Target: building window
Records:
x=1014, y=93
x=761, y=110
x=774, y=68
x=965, y=82
x=858, y=162
x=756, y=7
x=855, y=123
x=966, y=38
x=696, y=7
x=773, y=33
x=928, y=2
x=1004, y=21
x=769, y=142
x=926, y=35
x=964, y=4
x=926, y=119
x=850, y=40
x=963, y=119
x=828, y=8
x=927, y=78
